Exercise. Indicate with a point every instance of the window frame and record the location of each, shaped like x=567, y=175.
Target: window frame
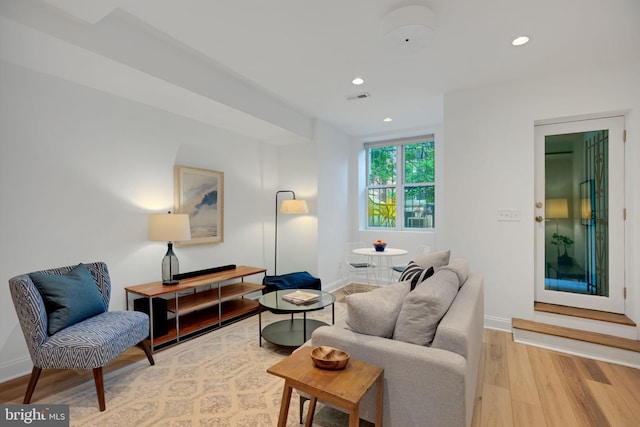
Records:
x=400, y=182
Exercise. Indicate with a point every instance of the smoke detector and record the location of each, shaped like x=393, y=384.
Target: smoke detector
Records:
x=408, y=27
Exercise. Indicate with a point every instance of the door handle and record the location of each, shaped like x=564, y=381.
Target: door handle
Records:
x=539, y=218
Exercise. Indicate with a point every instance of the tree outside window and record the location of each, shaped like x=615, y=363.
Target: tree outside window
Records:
x=401, y=184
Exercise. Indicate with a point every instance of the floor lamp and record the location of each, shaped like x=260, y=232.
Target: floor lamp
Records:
x=289, y=206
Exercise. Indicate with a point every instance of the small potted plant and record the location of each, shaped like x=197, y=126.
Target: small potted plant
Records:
x=566, y=243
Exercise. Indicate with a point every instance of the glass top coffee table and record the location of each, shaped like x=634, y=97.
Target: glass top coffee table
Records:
x=292, y=332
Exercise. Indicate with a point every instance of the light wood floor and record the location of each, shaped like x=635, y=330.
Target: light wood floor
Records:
x=521, y=385
x=518, y=386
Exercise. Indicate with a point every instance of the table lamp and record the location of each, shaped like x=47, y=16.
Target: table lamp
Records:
x=169, y=228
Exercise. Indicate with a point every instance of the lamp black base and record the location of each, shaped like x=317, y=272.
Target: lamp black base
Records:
x=170, y=282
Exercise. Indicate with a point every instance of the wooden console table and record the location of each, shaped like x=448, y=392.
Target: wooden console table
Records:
x=198, y=304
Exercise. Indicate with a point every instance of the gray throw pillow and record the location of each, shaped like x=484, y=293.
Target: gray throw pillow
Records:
x=433, y=259
x=375, y=312
x=424, y=307
x=68, y=298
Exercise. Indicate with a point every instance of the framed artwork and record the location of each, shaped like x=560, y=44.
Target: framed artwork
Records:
x=586, y=202
x=200, y=193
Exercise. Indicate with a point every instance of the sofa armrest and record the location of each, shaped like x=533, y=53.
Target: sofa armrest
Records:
x=423, y=385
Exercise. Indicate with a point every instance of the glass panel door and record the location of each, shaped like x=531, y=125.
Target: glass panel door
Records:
x=580, y=201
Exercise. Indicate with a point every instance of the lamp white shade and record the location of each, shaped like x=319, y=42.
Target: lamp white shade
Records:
x=294, y=206
x=557, y=208
x=169, y=227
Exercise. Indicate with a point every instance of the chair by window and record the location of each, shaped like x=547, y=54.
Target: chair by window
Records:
x=357, y=265
x=55, y=325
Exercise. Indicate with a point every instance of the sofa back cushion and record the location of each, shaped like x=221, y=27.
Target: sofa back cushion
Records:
x=460, y=267
x=375, y=312
x=433, y=259
x=423, y=308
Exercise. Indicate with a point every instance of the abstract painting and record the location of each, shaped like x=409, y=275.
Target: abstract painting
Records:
x=200, y=193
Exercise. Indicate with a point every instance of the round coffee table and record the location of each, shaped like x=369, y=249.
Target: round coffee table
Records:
x=292, y=332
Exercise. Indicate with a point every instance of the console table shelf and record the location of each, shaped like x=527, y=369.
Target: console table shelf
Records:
x=199, y=300
x=197, y=304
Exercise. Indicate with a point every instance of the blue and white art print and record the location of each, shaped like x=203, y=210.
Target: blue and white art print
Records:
x=200, y=194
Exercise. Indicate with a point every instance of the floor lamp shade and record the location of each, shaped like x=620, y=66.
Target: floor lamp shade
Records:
x=289, y=206
x=169, y=228
x=294, y=206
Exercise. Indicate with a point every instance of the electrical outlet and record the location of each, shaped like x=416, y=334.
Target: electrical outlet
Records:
x=509, y=215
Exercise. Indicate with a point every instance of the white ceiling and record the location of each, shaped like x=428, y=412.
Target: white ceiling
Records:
x=303, y=54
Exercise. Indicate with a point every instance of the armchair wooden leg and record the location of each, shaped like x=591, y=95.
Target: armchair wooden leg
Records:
x=35, y=375
x=147, y=350
x=97, y=376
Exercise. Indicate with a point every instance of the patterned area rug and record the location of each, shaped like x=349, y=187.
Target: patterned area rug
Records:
x=217, y=379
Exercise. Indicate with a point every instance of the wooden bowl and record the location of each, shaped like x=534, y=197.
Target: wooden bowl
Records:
x=329, y=358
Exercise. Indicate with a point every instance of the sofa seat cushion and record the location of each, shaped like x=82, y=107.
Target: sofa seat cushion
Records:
x=93, y=342
x=375, y=312
x=424, y=307
x=68, y=297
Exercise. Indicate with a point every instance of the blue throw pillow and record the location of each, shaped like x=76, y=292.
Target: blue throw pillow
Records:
x=69, y=298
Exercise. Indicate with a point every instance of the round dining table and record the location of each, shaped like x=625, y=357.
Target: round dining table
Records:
x=384, y=257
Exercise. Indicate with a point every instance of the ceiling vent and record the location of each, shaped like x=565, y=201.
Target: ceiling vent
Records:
x=362, y=95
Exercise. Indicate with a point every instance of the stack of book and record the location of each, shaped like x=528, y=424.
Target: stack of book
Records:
x=300, y=297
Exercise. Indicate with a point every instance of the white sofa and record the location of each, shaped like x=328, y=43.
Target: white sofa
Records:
x=425, y=385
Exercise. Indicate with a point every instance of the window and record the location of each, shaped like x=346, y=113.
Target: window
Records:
x=401, y=183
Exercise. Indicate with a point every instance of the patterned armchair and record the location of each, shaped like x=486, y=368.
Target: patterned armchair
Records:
x=89, y=343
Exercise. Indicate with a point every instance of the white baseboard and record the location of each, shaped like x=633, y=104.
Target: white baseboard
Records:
x=15, y=368
x=333, y=286
x=578, y=348
x=498, y=323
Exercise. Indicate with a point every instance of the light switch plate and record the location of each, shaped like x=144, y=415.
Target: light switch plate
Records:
x=509, y=215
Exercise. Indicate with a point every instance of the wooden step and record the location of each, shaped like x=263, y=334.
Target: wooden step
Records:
x=576, y=334
x=584, y=313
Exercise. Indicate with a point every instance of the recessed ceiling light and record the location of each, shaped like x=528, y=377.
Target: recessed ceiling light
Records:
x=387, y=119
x=357, y=81
x=519, y=41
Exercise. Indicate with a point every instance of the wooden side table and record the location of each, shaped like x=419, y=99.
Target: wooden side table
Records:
x=343, y=388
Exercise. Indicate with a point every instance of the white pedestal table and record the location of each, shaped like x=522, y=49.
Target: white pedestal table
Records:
x=385, y=258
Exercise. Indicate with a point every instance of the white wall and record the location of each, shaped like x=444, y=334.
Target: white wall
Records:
x=297, y=234
x=80, y=170
x=334, y=159
x=489, y=165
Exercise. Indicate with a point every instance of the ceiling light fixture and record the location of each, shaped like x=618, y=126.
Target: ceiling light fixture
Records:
x=519, y=41
x=387, y=119
x=357, y=81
